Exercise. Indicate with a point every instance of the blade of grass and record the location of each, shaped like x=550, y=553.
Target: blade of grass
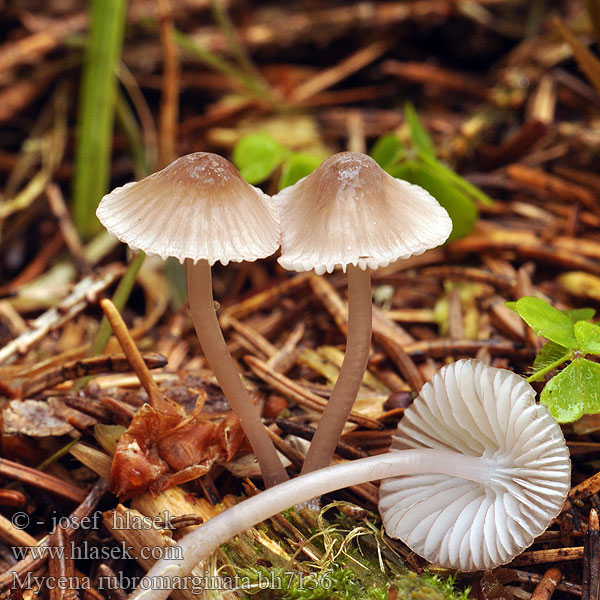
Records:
x=96, y=111
x=119, y=299
x=127, y=122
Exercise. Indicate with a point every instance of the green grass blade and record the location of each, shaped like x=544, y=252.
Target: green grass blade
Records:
x=96, y=111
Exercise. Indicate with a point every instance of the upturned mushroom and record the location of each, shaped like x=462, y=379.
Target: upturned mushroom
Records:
x=477, y=470
x=350, y=213
x=200, y=210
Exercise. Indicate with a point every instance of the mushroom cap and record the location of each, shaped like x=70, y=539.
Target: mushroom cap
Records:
x=350, y=211
x=198, y=207
x=477, y=410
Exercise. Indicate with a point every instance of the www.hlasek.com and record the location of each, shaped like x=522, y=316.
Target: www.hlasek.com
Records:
x=194, y=583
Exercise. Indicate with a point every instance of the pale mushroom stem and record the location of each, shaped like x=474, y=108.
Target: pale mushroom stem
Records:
x=213, y=345
x=203, y=541
x=345, y=390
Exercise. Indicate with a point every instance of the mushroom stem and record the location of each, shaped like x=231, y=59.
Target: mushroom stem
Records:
x=345, y=390
x=220, y=361
x=203, y=541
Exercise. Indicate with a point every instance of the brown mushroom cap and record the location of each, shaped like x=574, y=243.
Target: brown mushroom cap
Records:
x=198, y=207
x=350, y=211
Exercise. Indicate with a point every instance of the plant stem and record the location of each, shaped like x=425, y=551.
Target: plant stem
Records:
x=214, y=347
x=351, y=374
x=549, y=367
x=204, y=540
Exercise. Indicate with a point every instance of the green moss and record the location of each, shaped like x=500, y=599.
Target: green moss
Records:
x=336, y=554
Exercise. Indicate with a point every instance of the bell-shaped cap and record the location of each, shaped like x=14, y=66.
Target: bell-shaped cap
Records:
x=198, y=207
x=477, y=410
x=349, y=211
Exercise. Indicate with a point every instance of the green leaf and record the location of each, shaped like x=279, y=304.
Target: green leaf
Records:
x=579, y=314
x=388, y=150
x=588, y=336
x=547, y=321
x=549, y=354
x=257, y=155
x=512, y=305
x=460, y=182
x=460, y=207
x=297, y=166
x=575, y=391
x=418, y=135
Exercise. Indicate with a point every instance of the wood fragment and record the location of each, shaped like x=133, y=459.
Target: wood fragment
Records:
x=590, y=588
x=582, y=492
x=536, y=557
x=545, y=588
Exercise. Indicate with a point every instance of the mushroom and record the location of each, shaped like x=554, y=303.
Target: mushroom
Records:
x=351, y=213
x=477, y=470
x=200, y=210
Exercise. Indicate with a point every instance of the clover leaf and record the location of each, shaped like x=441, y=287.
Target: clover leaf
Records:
x=257, y=155
x=575, y=391
x=546, y=320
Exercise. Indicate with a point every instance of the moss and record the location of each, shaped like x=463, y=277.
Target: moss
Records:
x=338, y=553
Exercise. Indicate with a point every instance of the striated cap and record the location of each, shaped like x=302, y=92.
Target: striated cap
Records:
x=198, y=207
x=349, y=211
x=477, y=410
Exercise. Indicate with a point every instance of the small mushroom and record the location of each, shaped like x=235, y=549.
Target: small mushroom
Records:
x=200, y=210
x=351, y=213
x=476, y=472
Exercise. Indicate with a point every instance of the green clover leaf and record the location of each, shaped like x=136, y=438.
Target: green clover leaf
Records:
x=257, y=155
x=575, y=391
x=588, y=337
x=547, y=321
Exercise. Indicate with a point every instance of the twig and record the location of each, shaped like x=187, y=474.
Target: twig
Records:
x=306, y=432
x=66, y=226
x=590, y=589
x=55, y=317
x=545, y=588
x=41, y=480
x=117, y=363
x=535, y=557
x=296, y=392
x=284, y=358
x=132, y=353
x=329, y=77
